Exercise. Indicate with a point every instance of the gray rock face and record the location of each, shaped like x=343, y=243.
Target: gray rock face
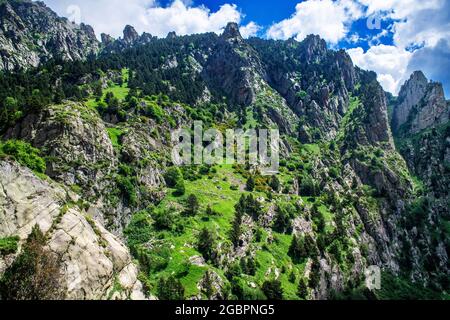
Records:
x=94, y=261
x=421, y=105
x=76, y=138
x=130, y=35
x=234, y=68
x=30, y=33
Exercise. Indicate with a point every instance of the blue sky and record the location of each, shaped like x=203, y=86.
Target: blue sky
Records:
x=390, y=37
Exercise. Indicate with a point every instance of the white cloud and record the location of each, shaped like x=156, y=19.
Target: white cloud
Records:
x=389, y=62
x=327, y=18
x=416, y=23
x=110, y=16
x=250, y=30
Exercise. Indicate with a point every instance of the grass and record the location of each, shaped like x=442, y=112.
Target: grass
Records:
x=114, y=135
x=216, y=191
x=119, y=91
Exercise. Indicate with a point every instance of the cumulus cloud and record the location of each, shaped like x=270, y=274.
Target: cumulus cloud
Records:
x=421, y=34
x=250, y=30
x=329, y=19
x=110, y=16
x=434, y=62
x=389, y=62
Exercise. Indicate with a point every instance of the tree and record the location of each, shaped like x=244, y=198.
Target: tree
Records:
x=292, y=277
x=170, y=289
x=236, y=231
x=297, y=249
x=302, y=290
x=275, y=183
x=314, y=275
x=283, y=217
x=208, y=285
x=250, y=186
x=134, y=102
x=180, y=188
x=209, y=210
x=205, y=243
x=273, y=290
x=35, y=274
x=172, y=176
x=192, y=205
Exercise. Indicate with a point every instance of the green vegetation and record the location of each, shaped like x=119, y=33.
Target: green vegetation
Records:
x=8, y=245
x=25, y=154
x=35, y=274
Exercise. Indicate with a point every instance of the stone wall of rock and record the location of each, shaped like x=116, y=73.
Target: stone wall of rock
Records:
x=94, y=260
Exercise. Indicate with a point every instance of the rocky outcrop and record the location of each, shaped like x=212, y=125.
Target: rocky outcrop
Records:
x=421, y=105
x=31, y=33
x=75, y=141
x=96, y=265
x=129, y=39
x=234, y=68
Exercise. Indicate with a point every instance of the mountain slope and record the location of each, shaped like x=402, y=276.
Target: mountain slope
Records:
x=344, y=199
x=30, y=34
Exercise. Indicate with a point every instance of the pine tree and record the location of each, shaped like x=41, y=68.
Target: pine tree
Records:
x=205, y=243
x=250, y=186
x=302, y=290
x=170, y=289
x=192, y=205
x=208, y=286
x=236, y=225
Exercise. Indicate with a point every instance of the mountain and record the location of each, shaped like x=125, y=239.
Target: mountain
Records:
x=30, y=34
x=86, y=156
x=421, y=105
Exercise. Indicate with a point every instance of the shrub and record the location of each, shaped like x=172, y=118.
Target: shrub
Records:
x=273, y=290
x=192, y=205
x=172, y=176
x=24, y=153
x=8, y=245
x=170, y=289
x=35, y=274
x=139, y=229
x=180, y=188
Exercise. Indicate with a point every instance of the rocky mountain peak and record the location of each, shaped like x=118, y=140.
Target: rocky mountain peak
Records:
x=171, y=35
x=31, y=33
x=421, y=105
x=106, y=39
x=232, y=32
x=314, y=47
x=130, y=35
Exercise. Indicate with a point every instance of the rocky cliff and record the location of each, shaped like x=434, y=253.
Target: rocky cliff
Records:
x=421, y=105
x=96, y=264
x=343, y=189
x=31, y=33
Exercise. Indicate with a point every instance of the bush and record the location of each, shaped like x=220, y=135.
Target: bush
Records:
x=192, y=205
x=35, y=274
x=273, y=290
x=180, y=188
x=170, y=289
x=8, y=245
x=25, y=154
x=139, y=230
x=172, y=176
